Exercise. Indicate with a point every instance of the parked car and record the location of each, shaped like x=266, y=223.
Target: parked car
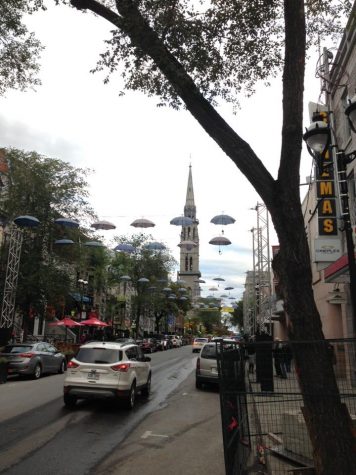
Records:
x=198, y=344
x=176, y=341
x=102, y=370
x=149, y=345
x=34, y=359
x=206, y=367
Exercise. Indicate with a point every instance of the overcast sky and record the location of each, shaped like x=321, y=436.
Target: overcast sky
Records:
x=139, y=153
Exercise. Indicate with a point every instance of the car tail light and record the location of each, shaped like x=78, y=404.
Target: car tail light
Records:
x=72, y=365
x=198, y=365
x=121, y=367
x=26, y=355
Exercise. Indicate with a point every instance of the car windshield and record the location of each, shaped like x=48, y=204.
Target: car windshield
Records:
x=201, y=340
x=98, y=355
x=17, y=349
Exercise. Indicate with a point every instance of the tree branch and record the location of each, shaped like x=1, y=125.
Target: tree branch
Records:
x=132, y=23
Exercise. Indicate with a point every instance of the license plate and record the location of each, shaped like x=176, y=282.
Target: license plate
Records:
x=93, y=375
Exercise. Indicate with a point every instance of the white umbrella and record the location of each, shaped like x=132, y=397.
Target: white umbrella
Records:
x=105, y=225
x=142, y=223
x=188, y=245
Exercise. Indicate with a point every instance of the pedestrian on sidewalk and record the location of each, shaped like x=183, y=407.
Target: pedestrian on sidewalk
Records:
x=251, y=355
x=279, y=360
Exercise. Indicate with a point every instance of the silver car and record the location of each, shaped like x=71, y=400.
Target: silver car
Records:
x=207, y=367
x=34, y=359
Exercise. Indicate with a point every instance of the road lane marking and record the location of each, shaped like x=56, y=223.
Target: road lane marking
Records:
x=149, y=433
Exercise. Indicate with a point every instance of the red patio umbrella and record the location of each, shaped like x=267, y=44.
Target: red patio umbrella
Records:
x=94, y=322
x=67, y=322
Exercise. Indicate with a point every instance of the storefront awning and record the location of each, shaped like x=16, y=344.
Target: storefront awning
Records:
x=338, y=271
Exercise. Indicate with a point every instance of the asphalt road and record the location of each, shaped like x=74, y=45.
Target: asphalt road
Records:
x=38, y=435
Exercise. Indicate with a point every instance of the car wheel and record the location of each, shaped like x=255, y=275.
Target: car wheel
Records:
x=37, y=373
x=198, y=384
x=147, y=389
x=62, y=367
x=130, y=401
x=69, y=401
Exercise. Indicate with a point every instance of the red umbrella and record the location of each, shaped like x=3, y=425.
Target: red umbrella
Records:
x=66, y=322
x=94, y=322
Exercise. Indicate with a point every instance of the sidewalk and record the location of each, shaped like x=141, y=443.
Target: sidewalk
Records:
x=183, y=437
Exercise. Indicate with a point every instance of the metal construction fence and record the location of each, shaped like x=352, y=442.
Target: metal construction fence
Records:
x=264, y=430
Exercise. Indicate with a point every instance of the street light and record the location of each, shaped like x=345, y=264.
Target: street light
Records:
x=82, y=283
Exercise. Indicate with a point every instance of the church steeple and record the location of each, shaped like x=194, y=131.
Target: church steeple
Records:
x=190, y=208
x=189, y=256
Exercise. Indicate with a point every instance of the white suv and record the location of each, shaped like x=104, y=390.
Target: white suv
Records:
x=107, y=370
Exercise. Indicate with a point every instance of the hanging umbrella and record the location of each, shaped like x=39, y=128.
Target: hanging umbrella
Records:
x=154, y=246
x=182, y=298
x=220, y=241
x=124, y=247
x=105, y=225
x=219, y=279
x=181, y=221
x=67, y=222
x=179, y=281
x=26, y=221
x=94, y=322
x=143, y=280
x=222, y=219
x=167, y=289
x=201, y=281
x=142, y=223
x=213, y=289
x=229, y=288
x=182, y=289
x=188, y=245
x=172, y=297
x=125, y=278
x=224, y=296
x=64, y=242
x=94, y=244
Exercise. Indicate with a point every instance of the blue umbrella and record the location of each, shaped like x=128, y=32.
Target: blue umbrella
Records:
x=124, y=247
x=67, y=222
x=222, y=219
x=26, y=221
x=181, y=221
x=154, y=246
x=64, y=242
x=143, y=280
x=94, y=244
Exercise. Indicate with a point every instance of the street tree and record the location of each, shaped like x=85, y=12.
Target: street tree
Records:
x=19, y=49
x=47, y=189
x=193, y=53
x=155, y=266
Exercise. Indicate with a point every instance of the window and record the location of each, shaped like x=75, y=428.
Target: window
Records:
x=132, y=353
x=191, y=263
x=98, y=355
x=186, y=263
